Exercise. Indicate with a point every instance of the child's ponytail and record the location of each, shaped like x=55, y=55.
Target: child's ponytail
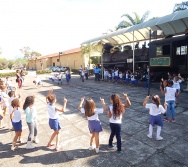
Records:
x=156, y=100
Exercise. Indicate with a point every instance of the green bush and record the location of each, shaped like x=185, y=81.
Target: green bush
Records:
x=43, y=71
x=10, y=74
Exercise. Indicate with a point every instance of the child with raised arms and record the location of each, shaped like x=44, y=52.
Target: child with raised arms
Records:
x=115, y=114
x=155, y=110
x=53, y=118
x=31, y=119
x=91, y=112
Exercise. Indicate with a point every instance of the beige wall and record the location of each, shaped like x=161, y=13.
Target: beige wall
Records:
x=73, y=60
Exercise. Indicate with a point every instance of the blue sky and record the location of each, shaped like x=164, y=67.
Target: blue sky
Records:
x=50, y=26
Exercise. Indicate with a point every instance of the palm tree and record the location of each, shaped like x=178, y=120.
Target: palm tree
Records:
x=180, y=6
x=130, y=21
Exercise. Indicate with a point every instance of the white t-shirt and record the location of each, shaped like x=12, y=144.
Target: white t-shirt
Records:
x=120, y=75
x=4, y=99
x=59, y=76
x=132, y=77
x=53, y=114
x=116, y=73
x=95, y=116
x=127, y=76
x=116, y=120
x=9, y=83
x=170, y=93
x=154, y=110
x=176, y=85
x=16, y=116
x=10, y=106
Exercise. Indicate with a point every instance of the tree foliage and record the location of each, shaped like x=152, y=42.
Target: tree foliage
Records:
x=180, y=6
x=87, y=50
x=95, y=59
x=28, y=54
x=130, y=21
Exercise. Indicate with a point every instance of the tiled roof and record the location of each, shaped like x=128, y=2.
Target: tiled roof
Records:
x=63, y=53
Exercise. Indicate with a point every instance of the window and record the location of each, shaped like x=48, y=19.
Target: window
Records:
x=182, y=50
x=57, y=60
x=159, y=51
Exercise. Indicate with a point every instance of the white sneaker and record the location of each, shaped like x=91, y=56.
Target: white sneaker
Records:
x=159, y=138
x=36, y=140
x=14, y=147
x=149, y=136
x=20, y=141
x=91, y=148
x=29, y=145
x=97, y=150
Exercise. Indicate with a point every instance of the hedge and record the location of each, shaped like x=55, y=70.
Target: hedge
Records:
x=43, y=71
x=10, y=74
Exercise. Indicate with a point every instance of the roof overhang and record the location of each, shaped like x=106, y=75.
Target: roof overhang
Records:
x=173, y=24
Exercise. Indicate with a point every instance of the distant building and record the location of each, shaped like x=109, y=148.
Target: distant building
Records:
x=71, y=58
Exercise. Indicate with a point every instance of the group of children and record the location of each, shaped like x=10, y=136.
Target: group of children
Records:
x=91, y=112
x=59, y=77
x=117, y=76
x=171, y=89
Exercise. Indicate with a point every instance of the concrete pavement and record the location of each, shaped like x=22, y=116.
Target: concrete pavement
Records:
x=138, y=149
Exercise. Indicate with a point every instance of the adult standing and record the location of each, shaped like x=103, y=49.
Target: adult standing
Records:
x=97, y=73
x=18, y=79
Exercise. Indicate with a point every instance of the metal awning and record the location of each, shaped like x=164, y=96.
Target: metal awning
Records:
x=173, y=24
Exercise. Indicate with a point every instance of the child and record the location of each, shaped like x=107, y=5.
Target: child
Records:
x=12, y=96
x=9, y=84
x=68, y=76
x=91, y=112
x=16, y=122
x=82, y=75
x=176, y=85
x=155, y=110
x=170, y=94
x=37, y=81
x=1, y=113
x=53, y=118
x=60, y=79
x=115, y=113
x=109, y=77
x=120, y=77
x=31, y=119
x=5, y=97
x=127, y=80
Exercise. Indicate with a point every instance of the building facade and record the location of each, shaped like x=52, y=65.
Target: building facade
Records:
x=71, y=58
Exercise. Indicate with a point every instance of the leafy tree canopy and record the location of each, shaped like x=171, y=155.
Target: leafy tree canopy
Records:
x=130, y=21
x=28, y=54
x=180, y=6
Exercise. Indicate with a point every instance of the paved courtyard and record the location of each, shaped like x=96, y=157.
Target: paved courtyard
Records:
x=138, y=150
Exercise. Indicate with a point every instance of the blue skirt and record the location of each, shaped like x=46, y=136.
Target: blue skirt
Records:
x=94, y=126
x=54, y=124
x=17, y=126
x=156, y=120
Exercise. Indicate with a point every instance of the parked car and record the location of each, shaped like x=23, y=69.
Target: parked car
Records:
x=58, y=69
x=63, y=68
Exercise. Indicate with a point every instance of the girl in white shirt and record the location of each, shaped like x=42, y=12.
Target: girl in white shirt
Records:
x=91, y=112
x=155, y=110
x=115, y=113
x=53, y=118
x=16, y=121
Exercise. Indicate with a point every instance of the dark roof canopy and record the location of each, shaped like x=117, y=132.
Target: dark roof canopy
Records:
x=173, y=24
